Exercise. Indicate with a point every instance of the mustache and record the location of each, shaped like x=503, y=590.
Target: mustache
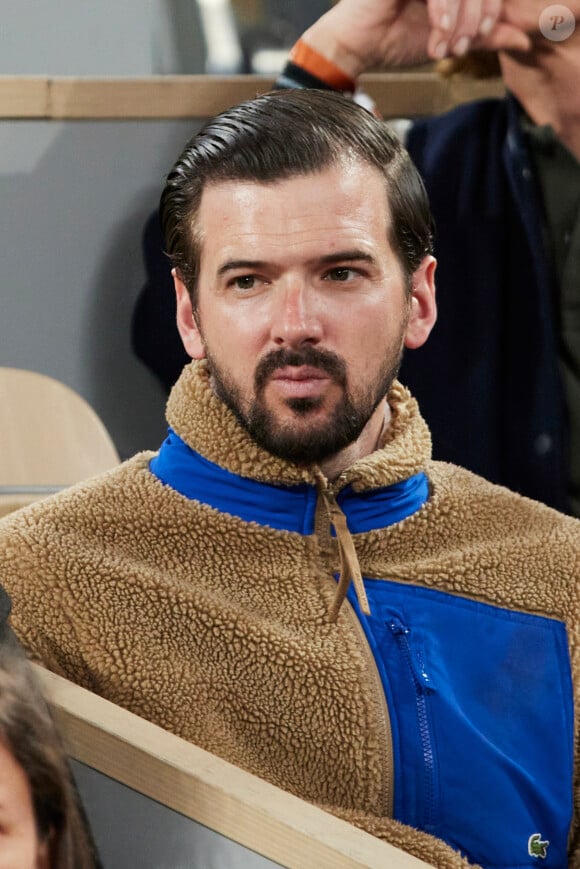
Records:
x=325, y=360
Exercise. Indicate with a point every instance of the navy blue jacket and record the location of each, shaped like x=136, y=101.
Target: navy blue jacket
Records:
x=487, y=380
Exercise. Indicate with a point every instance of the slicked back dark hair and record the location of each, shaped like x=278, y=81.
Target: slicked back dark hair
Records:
x=280, y=135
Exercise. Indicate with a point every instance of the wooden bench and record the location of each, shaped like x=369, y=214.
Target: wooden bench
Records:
x=151, y=797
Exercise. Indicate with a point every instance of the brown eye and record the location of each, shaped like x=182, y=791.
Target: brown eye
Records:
x=341, y=273
x=244, y=282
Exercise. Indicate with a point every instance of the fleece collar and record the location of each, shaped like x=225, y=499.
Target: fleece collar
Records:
x=209, y=428
x=283, y=507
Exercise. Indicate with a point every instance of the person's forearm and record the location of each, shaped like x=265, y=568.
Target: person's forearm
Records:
x=308, y=68
x=325, y=36
x=360, y=35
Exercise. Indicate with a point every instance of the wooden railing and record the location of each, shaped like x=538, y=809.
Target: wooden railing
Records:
x=201, y=96
x=206, y=789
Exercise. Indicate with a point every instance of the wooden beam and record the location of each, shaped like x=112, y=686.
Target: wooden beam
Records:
x=201, y=96
x=206, y=789
x=193, y=96
x=23, y=97
x=411, y=95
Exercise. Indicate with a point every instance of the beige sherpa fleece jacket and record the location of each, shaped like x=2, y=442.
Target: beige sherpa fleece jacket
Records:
x=219, y=630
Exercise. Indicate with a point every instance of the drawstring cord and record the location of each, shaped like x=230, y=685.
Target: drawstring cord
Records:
x=349, y=566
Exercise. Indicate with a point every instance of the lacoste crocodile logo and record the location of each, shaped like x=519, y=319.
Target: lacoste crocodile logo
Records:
x=538, y=847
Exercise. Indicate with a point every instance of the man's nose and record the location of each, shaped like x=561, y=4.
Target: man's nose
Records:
x=296, y=316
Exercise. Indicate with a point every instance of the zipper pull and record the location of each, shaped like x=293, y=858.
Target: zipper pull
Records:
x=402, y=635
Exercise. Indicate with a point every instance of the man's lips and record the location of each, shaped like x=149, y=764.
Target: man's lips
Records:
x=304, y=381
x=299, y=373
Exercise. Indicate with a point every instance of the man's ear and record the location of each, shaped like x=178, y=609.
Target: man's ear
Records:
x=423, y=313
x=186, y=322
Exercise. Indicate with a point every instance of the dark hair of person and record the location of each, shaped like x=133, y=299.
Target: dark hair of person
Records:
x=29, y=733
x=284, y=134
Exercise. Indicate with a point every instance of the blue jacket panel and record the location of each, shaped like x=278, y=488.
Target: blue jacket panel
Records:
x=480, y=754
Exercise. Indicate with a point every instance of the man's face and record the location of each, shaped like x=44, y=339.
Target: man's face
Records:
x=303, y=310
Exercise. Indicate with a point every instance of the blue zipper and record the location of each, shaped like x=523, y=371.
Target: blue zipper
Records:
x=423, y=688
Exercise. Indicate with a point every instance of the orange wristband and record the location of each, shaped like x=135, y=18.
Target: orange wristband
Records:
x=310, y=60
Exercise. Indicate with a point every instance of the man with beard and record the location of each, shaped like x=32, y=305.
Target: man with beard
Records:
x=503, y=179
x=291, y=582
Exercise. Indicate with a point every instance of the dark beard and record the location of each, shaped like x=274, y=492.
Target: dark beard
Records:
x=304, y=447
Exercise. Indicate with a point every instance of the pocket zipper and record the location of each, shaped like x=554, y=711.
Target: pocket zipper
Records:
x=423, y=688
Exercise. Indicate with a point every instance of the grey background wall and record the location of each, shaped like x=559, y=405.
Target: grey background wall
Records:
x=83, y=37
x=73, y=200
x=74, y=197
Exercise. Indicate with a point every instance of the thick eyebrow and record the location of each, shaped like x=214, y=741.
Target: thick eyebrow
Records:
x=346, y=256
x=327, y=259
x=233, y=264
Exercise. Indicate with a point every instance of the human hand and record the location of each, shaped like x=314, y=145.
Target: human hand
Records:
x=459, y=25
x=358, y=35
